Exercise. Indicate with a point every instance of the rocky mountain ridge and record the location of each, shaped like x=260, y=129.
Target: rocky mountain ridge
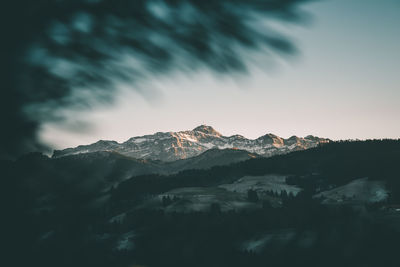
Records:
x=171, y=146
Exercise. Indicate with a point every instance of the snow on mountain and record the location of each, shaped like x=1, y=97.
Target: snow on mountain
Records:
x=171, y=146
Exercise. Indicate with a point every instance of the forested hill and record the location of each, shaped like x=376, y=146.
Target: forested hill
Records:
x=334, y=163
x=305, y=208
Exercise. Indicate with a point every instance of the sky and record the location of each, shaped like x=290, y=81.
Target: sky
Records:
x=344, y=84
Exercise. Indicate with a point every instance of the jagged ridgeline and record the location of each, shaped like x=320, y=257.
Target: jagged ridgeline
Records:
x=171, y=146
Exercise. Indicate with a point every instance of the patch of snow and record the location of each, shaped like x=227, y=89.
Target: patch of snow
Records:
x=144, y=155
x=291, y=147
x=208, y=145
x=225, y=146
x=79, y=152
x=189, y=138
x=139, y=140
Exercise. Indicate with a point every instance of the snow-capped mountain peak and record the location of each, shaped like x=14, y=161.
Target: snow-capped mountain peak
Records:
x=207, y=130
x=171, y=146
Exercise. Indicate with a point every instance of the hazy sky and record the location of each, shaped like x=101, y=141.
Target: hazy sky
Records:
x=345, y=83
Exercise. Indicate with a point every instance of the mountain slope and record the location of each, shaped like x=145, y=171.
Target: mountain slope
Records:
x=212, y=157
x=99, y=171
x=171, y=146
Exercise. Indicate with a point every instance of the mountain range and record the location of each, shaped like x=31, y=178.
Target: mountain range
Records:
x=173, y=146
